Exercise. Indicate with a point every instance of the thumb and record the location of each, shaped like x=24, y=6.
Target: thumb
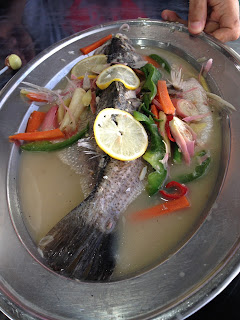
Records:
x=197, y=16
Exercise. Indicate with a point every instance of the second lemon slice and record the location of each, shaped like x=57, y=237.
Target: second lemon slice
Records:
x=91, y=65
x=118, y=72
x=119, y=135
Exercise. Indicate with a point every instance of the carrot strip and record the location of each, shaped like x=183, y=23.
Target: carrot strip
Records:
x=152, y=61
x=140, y=72
x=155, y=112
x=160, y=209
x=36, y=97
x=164, y=97
x=38, y=135
x=35, y=120
x=95, y=45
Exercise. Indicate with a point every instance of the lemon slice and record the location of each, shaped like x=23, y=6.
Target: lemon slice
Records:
x=118, y=72
x=91, y=65
x=90, y=76
x=119, y=135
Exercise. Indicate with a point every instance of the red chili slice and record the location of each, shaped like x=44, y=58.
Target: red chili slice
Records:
x=167, y=128
x=181, y=190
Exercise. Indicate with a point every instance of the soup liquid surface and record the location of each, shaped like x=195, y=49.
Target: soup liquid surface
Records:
x=49, y=189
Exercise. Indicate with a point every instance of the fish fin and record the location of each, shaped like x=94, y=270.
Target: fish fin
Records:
x=79, y=250
x=83, y=161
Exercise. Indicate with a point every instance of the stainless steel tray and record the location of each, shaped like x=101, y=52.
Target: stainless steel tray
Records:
x=188, y=279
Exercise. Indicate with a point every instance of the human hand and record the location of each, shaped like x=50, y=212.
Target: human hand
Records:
x=220, y=18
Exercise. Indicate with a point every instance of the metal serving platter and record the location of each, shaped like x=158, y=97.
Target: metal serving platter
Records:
x=190, y=277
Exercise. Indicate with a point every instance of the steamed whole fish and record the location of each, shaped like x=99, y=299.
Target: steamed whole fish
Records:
x=81, y=244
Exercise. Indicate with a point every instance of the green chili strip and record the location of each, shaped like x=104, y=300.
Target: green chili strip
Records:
x=142, y=107
x=152, y=76
x=154, y=154
x=49, y=146
x=162, y=62
x=198, y=171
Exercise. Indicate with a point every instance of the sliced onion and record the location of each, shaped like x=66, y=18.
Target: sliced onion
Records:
x=86, y=82
x=157, y=104
x=185, y=108
x=196, y=118
x=184, y=136
x=50, y=120
x=143, y=173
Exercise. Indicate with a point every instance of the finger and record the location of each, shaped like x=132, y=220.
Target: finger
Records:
x=172, y=16
x=211, y=26
x=229, y=29
x=197, y=16
x=226, y=34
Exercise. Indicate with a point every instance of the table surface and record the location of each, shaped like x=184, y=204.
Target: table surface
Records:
x=28, y=27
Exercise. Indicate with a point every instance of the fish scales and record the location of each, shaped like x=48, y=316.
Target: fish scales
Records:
x=81, y=245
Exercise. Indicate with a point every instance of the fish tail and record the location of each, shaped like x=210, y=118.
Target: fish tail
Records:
x=78, y=249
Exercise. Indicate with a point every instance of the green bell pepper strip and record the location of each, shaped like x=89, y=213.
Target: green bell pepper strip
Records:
x=152, y=76
x=155, y=181
x=162, y=62
x=49, y=146
x=154, y=154
x=198, y=171
x=177, y=154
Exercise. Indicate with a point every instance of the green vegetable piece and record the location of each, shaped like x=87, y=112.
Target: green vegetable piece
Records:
x=49, y=146
x=152, y=75
x=145, y=110
x=198, y=171
x=157, y=143
x=37, y=146
x=162, y=62
x=177, y=154
x=155, y=181
x=147, y=100
x=154, y=154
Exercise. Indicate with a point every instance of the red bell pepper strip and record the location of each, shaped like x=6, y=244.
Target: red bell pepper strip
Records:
x=181, y=190
x=167, y=128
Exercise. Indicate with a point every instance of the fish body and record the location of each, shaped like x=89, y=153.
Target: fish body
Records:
x=81, y=245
